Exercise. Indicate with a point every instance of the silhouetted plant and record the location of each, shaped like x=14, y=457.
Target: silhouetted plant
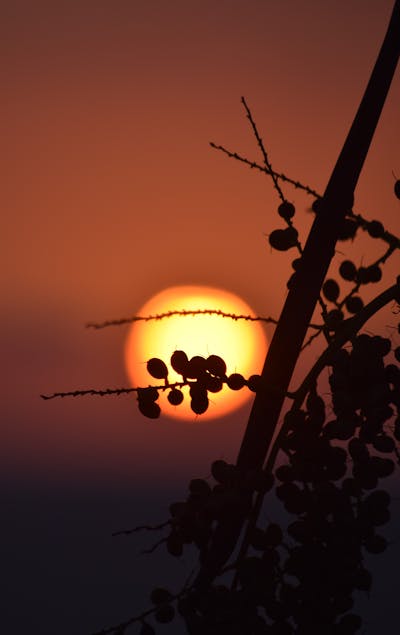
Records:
x=326, y=463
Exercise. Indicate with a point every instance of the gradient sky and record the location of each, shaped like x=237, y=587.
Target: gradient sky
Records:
x=111, y=193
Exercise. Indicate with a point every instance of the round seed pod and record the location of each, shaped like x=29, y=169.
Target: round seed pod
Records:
x=165, y=614
x=199, y=404
x=149, y=409
x=334, y=319
x=196, y=367
x=179, y=362
x=354, y=304
x=348, y=229
x=397, y=189
x=283, y=239
x=375, y=229
x=236, y=381
x=157, y=368
x=286, y=210
x=216, y=365
x=348, y=270
x=175, y=397
x=213, y=384
x=174, y=545
x=254, y=383
x=375, y=544
x=331, y=290
x=160, y=596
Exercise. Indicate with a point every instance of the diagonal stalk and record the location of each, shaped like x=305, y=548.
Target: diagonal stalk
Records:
x=297, y=312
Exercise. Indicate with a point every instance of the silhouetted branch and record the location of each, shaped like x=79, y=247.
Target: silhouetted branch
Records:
x=126, y=532
x=263, y=151
x=261, y=168
x=182, y=312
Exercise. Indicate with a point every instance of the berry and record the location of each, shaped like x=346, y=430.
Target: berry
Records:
x=375, y=229
x=165, y=614
x=175, y=397
x=196, y=367
x=348, y=270
x=331, y=290
x=283, y=239
x=235, y=381
x=348, y=229
x=160, y=595
x=179, y=362
x=216, y=366
x=354, y=304
x=156, y=368
x=286, y=210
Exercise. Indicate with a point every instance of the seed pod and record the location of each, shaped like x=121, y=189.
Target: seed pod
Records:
x=283, y=239
x=149, y=409
x=254, y=383
x=286, y=210
x=216, y=365
x=331, y=290
x=160, y=595
x=235, y=381
x=348, y=229
x=397, y=189
x=199, y=487
x=375, y=544
x=348, y=270
x=334, y=319
x=354, y=304
x=174, y=545
x=196, y=367
x=146, y=629
x=179, y=362
x=375, y=229
x=157, y=368
x=175, y=397
x=199, y=404
x=213, y=384
x=165, y=614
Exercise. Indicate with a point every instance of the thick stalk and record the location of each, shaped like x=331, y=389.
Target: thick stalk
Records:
x=290, y=332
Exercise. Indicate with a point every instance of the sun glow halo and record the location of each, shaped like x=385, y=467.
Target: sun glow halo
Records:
x=241, y=343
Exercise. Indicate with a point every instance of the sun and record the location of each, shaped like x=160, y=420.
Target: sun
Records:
x=241, y=343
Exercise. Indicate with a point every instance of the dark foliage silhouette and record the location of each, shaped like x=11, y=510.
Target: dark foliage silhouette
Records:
x=327, y=462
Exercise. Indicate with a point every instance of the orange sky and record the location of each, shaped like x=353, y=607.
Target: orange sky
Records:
x=111, y=192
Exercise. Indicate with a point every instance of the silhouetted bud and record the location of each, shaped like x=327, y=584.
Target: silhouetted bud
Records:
x=348, y=229
x=149, y=409
x=375, y=544
x=200, y=487
x=296, y=264
x=222, y=471
x=147, y=394
x=254, y=383
x=286, y=210
x=175, y=397
x=375, y=229
x=156, y=368
x=354, y=304
x=199, y=405
x=397, y=189
x=397, y=353
x=174, y=545
x=273, y=535
x=216, y=365
x=348, y=270
x=235, y=381
x=146, y=629
x=196, y=367
x=179, y=362
x=160, y=596
x=331, y=290
x=165, y=614
x=213, y=383
x=334, y=319
x=283, y=239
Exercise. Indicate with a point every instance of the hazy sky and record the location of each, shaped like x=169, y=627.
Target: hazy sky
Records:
x=110, y=193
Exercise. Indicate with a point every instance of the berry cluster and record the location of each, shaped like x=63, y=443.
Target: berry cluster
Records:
x=202, y=375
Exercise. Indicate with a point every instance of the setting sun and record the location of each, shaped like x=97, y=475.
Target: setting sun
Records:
x=241, y=343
